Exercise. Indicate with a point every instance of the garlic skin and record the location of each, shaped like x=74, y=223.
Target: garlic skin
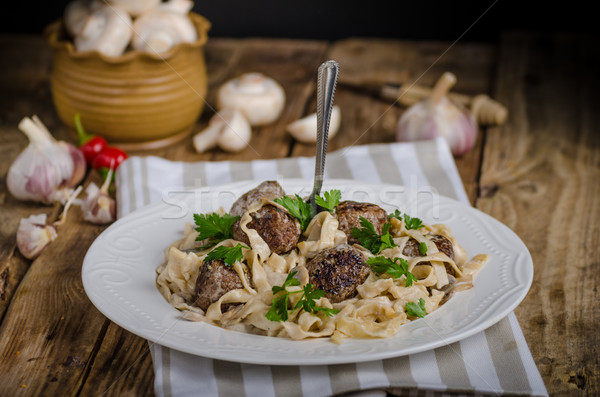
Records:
x=45, y=169
x=163, y=27
x=305, y=129
x=227, y=129
x=260, y=98
x=439, y=116
x=107, y=29
x=135, y=7
x=33, y=235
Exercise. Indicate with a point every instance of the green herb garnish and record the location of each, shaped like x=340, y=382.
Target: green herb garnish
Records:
x=214, y=227
x=370, y=239
x=396, y=268
x=330, y=199
x=310, y=294
x=297, y=208
x=423, y=248
x=416, y=310
x=396, y=214
x=229, y=255
x=412, y=223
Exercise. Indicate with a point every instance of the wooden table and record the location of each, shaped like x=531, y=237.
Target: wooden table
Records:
x=539, y=174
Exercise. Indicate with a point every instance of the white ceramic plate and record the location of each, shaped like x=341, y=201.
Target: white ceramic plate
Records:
x=119, y=271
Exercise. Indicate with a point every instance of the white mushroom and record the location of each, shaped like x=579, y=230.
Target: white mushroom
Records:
x=259, y=98
x=305, y=129
x=163, y=27
x=76, y=15
x=107, y=30
x=135, y=7
x=227, y=129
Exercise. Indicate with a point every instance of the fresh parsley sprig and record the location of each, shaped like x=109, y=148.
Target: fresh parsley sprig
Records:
x=310, y=294
x=416, y=310
x=423, y=248
x=214, y=227
x=409, y=222
x=370, y=239
x=229, y=255
x=330, y=199
x=297, y=208
x=396, y=268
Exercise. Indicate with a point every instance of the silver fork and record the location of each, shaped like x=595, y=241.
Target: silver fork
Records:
x=326, y=82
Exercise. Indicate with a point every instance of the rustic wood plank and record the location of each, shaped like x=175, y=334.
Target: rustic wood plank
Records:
x=122, y=367
x=375, y=62
x=540, y=176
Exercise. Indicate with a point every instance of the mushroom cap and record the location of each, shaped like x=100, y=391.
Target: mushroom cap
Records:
x=260, y=98
x=228, y=129
x=135, y=7
x=160, y=29
x=305, y=129
x=107, y=30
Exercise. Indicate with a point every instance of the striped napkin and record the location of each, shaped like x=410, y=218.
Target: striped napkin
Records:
x=494, y=361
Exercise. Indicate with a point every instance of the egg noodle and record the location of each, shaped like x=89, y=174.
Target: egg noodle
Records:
x=377, y=311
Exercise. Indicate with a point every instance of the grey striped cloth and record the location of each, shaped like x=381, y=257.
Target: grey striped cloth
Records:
x=495, y=361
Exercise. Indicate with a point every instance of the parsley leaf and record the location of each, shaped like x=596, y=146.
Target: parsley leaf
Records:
x=229, y=255
x=396, y=214
x=297, y=208
x=214, y=227
x=416, y=310
x=412, y=223
x=310, y=294
x=331, y=200
x=370, y=239
x=409, y=222
x=423, y=248
x=396, y=268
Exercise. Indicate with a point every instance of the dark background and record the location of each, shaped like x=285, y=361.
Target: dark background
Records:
x=336, y=19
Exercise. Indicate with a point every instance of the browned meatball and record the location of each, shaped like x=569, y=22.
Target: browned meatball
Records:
x=348, y=213
x=268, y=189
x=442, y=243
x=279, y=229
x=214, y=280
x=338, y=271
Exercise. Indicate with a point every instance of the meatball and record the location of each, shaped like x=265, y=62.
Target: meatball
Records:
x=338, y=271
x=348, y=213
x=442, y=243
x=214, y=280
x=268, y=189
x=279, y=229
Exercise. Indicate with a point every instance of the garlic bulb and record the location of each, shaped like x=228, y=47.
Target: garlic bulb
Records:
x=136, y=7
x=259, y=98
x=107, y=28
x=46, y=169
x=163, y=27
x=33, y=235
x=98, y=207
x=305, y=129
x=227, y=129
x=438, y=116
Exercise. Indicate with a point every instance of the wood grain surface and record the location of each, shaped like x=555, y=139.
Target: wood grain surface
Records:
x=539, y=174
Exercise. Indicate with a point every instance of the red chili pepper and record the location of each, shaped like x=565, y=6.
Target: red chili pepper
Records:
x=110, y=155
x=90, y=145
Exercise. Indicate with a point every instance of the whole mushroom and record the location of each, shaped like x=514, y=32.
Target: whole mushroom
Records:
x=227, y=129
x=258, y=97
x=305, y=129
x=163, y=27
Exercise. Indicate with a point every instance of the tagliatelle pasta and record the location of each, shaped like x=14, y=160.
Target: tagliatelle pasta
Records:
x=378, y=309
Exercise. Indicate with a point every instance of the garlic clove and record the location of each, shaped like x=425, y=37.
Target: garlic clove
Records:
x=439, y=116
x=108, y=30
x=228, y=129
x=33, y=235
x=163, y=27
x=305, y=129
x=98, y=207
x=258, y=97
x=79, y=164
